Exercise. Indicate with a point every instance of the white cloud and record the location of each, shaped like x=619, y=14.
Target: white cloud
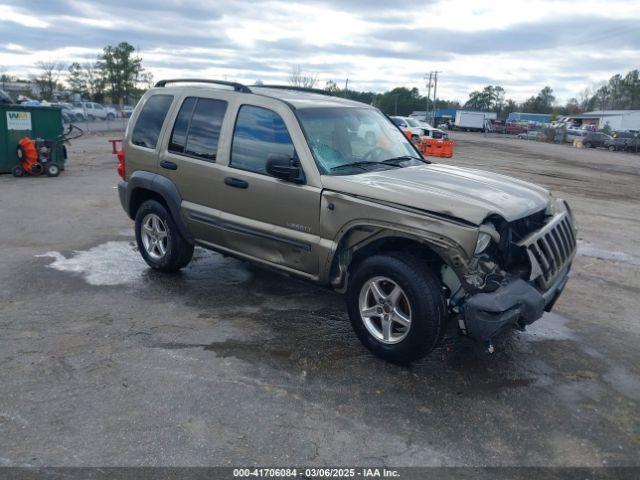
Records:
x=10, y=14
x=521, y=45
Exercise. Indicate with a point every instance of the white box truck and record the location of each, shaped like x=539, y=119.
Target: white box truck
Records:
x=473, y=121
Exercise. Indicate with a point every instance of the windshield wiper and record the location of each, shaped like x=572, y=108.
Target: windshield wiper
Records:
x=403, y=158
x=361, y=164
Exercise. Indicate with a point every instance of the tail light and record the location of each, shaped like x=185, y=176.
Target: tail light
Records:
x=121, y=163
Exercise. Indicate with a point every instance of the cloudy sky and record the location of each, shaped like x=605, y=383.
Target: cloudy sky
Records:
x=377, y=44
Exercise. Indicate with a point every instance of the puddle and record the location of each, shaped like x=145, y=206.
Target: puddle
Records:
x=588, y=250
x=550, y=327
x=120, y=263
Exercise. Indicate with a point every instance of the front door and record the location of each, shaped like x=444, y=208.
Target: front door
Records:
x=266, y=218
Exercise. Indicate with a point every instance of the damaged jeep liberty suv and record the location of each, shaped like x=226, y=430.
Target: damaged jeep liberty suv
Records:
x=330, y=190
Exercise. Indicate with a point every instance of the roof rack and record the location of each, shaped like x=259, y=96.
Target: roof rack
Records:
x=238, y=87
x=298, y=89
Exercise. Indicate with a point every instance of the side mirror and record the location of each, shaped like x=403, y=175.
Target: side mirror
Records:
x=285, y=168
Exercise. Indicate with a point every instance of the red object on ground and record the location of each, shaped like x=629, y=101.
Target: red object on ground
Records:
x=114, y=145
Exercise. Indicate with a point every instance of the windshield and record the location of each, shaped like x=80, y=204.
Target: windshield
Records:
x=412, y=122
x=347, y=140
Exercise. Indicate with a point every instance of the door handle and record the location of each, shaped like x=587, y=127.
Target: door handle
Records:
x=236, y=182
x=168, y=165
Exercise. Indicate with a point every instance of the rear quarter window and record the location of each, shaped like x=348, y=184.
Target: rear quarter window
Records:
x=149, y=124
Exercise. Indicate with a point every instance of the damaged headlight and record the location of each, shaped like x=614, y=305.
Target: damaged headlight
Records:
x=487, y=233
x=484, y=239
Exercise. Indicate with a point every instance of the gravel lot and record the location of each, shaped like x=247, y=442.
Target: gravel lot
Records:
x=107, y=363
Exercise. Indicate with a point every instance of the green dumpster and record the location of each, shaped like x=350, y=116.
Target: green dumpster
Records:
x=17, y=121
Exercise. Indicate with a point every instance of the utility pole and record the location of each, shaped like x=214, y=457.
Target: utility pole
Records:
x=426, y=109
x=346, y=87
x=435, y=98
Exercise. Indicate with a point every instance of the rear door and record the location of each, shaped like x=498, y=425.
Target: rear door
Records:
x=263, y=217
x=189, y=159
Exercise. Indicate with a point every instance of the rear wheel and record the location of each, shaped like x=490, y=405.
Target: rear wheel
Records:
x=17, y=171
x=159, y=240
x=612, y=148
x=396, y=307
x=587, y=145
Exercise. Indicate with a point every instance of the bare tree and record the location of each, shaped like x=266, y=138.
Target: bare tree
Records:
x=47, y=79
x=298, y=78
x=94, y=81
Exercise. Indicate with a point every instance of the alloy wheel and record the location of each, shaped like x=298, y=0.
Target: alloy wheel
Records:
x=385, y=310
x=154, y=236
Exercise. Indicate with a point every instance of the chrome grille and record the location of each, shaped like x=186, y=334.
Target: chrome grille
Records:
x=550, y=249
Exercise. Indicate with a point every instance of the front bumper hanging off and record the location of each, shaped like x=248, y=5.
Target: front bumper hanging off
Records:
x=515, y=304
x=518, y=303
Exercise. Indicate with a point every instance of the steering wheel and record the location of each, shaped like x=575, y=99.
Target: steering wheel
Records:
x=372, y=154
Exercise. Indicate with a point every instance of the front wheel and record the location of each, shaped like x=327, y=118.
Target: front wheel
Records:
x=396, y=307
x=612, y=148
x=159, y=240
x=52, y=169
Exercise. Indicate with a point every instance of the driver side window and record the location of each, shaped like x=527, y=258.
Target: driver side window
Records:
x=259, y=132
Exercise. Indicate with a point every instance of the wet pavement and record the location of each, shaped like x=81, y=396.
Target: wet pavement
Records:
x=105, y=362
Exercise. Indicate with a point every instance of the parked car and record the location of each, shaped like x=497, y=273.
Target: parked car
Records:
x=574, y=133
x=126, y=111
x=632, y=145
x=595, y=139
x=432, y=132
x=616, y=144
x=93, y=111
x=286, y=179
x=410, y=124
x=531, y=135
x=74, y=113
x=5, y=99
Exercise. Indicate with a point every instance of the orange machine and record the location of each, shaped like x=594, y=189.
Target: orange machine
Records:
x=28, y=158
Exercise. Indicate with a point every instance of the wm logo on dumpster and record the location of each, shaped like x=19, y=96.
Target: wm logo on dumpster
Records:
x=18, y=120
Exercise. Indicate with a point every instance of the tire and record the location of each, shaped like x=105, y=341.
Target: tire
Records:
x=612, y=148
x=421, y=297
x=177, y=251
x=17, y=171
x=586, y=144
x=52, y=169
x=111, y=117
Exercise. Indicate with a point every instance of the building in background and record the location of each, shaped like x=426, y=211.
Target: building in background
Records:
x=447, y=115
x=620, y=120
x=529, y=117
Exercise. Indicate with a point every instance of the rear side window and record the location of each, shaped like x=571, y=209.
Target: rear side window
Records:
x=197, y=128
x=179, y=136
x=149, y=124
x=259, y=132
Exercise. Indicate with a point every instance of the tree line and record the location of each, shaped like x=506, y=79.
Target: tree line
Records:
x=116, y=74
x=619, y=93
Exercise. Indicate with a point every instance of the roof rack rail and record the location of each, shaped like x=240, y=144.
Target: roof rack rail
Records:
x=238, y=87
x=298, y=89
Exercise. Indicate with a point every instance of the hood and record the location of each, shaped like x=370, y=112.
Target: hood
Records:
x=463, y=193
